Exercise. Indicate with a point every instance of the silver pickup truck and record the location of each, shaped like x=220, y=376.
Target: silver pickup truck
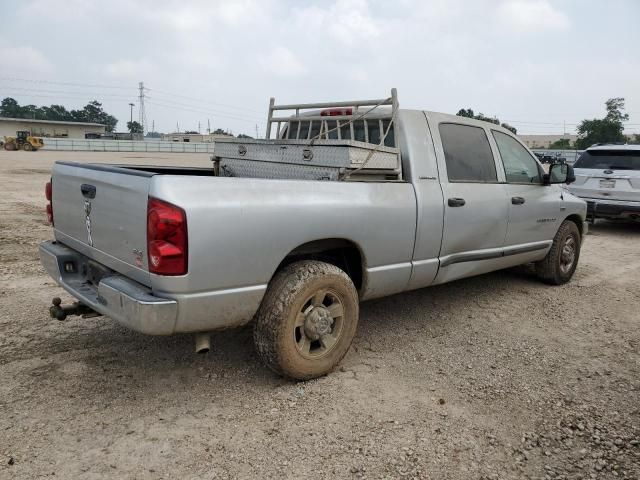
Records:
x=349, y=201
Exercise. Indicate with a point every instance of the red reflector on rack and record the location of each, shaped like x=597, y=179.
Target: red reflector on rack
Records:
x=336, y=112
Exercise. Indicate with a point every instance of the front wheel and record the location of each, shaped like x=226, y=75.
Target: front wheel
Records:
x=560, y=263
x=307, y=320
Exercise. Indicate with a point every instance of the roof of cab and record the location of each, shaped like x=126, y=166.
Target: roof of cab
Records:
x=447, y=117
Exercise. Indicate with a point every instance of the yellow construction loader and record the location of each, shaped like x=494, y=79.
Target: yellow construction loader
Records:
x=23, y=141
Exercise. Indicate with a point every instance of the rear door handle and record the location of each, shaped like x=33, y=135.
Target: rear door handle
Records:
x=456, y=202
x=517, y=200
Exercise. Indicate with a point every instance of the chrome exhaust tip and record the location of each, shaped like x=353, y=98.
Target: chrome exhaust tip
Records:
x=203, y=342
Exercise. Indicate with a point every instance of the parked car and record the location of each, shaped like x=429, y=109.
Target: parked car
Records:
x=608, y=179
x=344, y=205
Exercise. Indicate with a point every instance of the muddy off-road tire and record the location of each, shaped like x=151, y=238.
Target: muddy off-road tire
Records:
x=27, y=147
x=307, y=320
x=558, y=266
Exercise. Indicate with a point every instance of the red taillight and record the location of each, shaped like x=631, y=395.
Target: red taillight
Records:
x=166, y=238
x=336, y=112
x=48, y=193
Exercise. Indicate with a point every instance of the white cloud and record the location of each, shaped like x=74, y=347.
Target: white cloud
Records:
x=283, y=62
x=531, y=16
x=494, y=56
x=24, y=59
x=345, y=21
x=208, y=14
x=129, y=69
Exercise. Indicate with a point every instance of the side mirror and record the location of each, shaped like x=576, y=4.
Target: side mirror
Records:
x=559, y=173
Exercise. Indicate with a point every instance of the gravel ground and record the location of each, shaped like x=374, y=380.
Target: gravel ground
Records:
x=493, y=377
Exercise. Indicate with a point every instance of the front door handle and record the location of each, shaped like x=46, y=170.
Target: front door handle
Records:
x=517, y=200
x=456, y=202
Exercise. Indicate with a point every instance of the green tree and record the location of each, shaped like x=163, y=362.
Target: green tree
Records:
x=510, y=128
x=468, y=113
x=604, y=130
x=134, y=127
x=9, y=107
x=92, y=112
x=465, y=113
x=242, y=135
x=561, y=144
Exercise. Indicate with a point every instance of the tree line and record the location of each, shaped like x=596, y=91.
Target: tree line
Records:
x=92, y=112
x=609, y=129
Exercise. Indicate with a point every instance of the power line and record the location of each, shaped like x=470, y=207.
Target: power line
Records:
x=200, y=109
x=186, y=109
x=201, y=101
x=76, y=97
x=14, y=79
x=95, y=94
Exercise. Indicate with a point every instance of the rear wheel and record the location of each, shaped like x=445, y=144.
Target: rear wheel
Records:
x=560, y=263
x=307, y=320
x=10, y=146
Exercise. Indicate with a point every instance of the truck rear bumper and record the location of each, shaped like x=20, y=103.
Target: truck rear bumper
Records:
x=115, y=296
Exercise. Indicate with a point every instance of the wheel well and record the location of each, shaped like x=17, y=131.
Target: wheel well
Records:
x=342, y=253
x=577, y=220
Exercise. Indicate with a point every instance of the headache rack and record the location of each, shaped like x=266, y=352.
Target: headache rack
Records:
x=351, y=140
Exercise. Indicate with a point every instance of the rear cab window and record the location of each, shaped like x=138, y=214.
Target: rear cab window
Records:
x=467, y=153
x=363, y=130
x=609, y=160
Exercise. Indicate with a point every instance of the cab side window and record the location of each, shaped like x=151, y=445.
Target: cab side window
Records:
x=467, y=153
x=519, y=165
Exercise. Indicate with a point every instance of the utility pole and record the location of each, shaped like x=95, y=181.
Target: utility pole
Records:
x=208, y=127
x=141, y=113
x=198, y=126
x=153, y=125
x=177, y=128
x=131, y=107
x=257, y=135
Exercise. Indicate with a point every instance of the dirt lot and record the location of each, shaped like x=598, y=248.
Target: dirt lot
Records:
x=497, y=376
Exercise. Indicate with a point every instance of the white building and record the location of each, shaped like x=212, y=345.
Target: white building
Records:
x=543, y=141
x=49, y=128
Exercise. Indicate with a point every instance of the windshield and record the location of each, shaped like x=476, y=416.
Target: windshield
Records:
x=610, y=159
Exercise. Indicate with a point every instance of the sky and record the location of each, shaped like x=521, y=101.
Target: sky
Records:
x=540, y=65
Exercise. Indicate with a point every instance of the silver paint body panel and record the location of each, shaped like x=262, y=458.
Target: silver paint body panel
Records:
x=241, y=229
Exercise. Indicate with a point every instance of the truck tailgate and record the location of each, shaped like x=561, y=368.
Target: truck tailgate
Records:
x=101, y=211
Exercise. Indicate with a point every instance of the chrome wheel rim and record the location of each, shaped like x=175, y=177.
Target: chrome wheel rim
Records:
x=568, y=254
x=319, y=324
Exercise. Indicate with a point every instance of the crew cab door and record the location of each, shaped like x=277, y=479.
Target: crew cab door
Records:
x=534, y=208
x=476, y=209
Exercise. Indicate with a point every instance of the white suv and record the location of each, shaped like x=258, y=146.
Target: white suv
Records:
x=608, y=178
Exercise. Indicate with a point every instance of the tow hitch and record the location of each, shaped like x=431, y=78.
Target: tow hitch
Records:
x=61, y=313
